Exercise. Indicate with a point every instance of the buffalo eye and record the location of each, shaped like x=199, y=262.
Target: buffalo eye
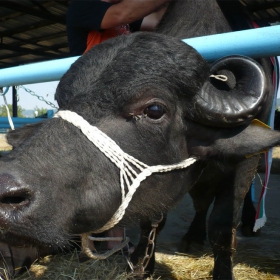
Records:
x=154, y=111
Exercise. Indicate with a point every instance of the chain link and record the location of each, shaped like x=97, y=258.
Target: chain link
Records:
x=142, y=265
x=149, y=249
x=41, y=98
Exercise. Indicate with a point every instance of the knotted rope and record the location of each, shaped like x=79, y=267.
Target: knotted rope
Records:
x=132, y=171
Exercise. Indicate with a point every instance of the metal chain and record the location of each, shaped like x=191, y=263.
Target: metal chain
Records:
x=41, y=98
x=142, y=265
x=149, y=249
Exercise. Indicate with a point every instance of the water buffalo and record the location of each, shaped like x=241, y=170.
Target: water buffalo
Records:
x=155, y=97
x=190, y=18
x=56, y=184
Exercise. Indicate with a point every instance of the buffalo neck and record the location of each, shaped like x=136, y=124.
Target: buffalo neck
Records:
x=193, y=18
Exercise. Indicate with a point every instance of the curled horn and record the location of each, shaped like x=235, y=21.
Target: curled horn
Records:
x=239, y=99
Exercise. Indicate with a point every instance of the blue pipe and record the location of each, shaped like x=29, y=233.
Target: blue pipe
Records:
x=260, y=42
x=34, y=73
x=18, y=122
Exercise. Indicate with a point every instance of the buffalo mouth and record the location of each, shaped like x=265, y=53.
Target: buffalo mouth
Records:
x=46, y=241
x=15, y=240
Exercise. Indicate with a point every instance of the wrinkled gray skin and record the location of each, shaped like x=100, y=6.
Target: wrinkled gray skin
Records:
x=55, y=184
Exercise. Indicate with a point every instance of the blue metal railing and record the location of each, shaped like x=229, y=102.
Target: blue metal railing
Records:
x=18, y=122
x=260, y=42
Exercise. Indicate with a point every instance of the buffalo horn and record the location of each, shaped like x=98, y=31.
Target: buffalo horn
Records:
x=232, y=102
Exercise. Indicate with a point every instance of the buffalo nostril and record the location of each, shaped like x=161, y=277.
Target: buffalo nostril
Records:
x=12, y=194
x=19, y=199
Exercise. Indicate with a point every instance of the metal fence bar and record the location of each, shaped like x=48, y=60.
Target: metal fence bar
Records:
x=18, y=122
x=260, y=42
x=34, y=73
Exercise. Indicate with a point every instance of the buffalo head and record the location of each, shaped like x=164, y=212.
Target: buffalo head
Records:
x=154, y=97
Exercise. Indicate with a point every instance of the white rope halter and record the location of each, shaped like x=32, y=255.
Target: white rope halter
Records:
x=132, y=173
x=129, y=176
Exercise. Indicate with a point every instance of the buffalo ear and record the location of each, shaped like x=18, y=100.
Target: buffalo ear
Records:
x=19, y=135
x=254, y=139
x=237, y=142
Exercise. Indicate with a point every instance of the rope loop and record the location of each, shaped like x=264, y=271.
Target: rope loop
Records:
x=3, y=92
x=222, y=78
x=89, y=247
x=10, y=120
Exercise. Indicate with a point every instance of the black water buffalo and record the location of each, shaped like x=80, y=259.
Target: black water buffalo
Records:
x=217, y=174
x=190, y=18
x=153, y=96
